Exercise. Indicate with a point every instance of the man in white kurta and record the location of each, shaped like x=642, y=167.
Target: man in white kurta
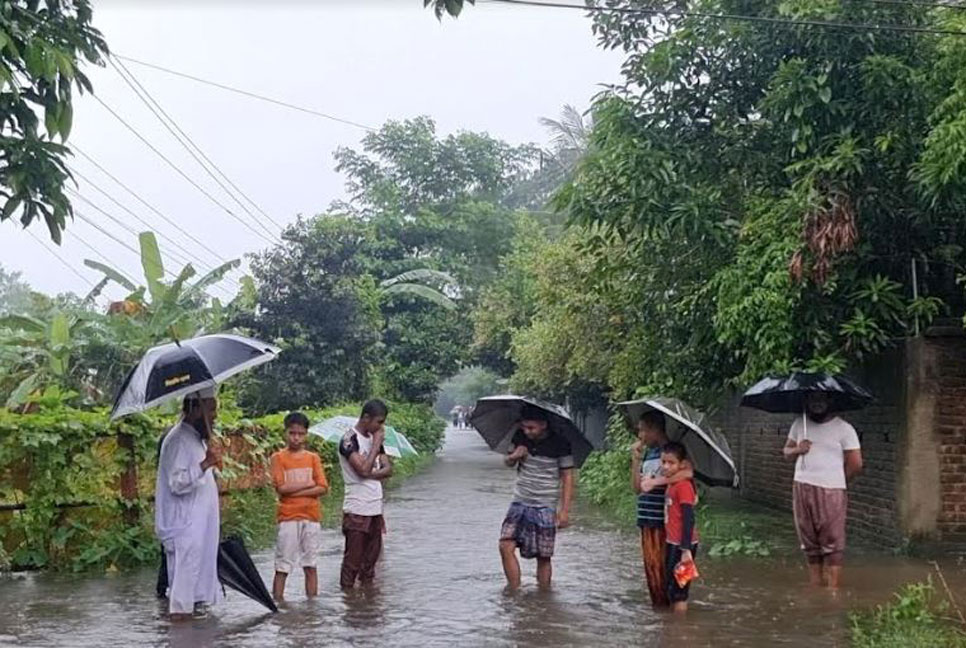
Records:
x=186, y=509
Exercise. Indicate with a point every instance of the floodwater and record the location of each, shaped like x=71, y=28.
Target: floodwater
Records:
x=440, y=583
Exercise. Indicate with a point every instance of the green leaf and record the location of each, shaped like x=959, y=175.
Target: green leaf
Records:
x=111, y=274
x=23, y=322
x=59, y=340
x=152, y=265
x=825, y=94
x=22, y=392
x=424, y=292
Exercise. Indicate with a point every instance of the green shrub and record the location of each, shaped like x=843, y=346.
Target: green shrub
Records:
x=60, y=455
x=914, y=619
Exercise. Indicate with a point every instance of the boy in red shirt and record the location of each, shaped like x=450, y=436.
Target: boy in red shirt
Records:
x=679, y=522
x=300, y=482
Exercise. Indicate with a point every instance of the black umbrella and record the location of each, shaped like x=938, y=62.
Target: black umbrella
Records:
x=496, y=419
x=171, y=371
x=787, y=394
x=237, y=571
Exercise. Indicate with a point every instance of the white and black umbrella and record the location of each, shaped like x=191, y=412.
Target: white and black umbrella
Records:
x=497, y=418
x=172, y=371
x=708, y=450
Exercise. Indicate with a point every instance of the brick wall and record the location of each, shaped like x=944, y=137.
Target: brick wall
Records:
x=950, y=354
x=757, y=439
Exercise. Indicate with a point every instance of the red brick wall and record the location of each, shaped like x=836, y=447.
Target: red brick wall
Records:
x=757, y=439
x=951, y=433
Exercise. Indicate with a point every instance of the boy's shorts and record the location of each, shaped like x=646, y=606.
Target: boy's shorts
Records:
x=297, y=545
x=676, y=593
x=532, y=528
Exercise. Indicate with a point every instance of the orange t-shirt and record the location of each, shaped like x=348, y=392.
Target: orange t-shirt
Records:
x=298, y=467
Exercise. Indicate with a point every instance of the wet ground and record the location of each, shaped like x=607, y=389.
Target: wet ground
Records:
x=441, y=583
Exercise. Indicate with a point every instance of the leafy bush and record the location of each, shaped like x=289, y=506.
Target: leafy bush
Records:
x=913, y=618
x=58, y=455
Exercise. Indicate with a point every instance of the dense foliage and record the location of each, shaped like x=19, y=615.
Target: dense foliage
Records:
x=43, y=44
x=58, y=455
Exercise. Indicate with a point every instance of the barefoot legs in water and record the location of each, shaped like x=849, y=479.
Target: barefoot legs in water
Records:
x=511, y=566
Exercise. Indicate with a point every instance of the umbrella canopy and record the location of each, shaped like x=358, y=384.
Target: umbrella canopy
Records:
x=333, y=429
x=787, y=394
x=172, y=371
x=237, y=571
x=496, y=419
x=708, y=450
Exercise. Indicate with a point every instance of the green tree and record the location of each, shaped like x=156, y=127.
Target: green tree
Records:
x=15, y=293
x=42, y=46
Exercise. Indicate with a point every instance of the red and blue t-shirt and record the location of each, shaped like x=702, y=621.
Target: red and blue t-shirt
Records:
x=678, y=495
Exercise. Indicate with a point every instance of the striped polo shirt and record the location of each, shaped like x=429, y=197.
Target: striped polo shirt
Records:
x=538, y=477
x=650, y=506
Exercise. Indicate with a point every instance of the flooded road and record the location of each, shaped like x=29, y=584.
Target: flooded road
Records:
x=440, y=583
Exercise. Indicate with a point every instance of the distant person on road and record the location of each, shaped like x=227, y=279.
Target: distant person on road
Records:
x=680, y=523
x=186, y=509
x=545, y=474
x=827, y=456
x=649, y=484
x=365, y=466
x=299, y=481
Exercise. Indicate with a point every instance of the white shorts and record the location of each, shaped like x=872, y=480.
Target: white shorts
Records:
x=297, y=545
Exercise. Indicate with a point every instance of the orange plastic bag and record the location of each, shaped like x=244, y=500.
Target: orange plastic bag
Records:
x=685, y=572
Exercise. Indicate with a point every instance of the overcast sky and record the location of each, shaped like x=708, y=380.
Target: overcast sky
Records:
x=496, y=69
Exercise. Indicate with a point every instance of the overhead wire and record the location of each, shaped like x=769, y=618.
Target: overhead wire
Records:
x=770, y=20
x=247, y=93
x=65, y=263
x=191, y=147
x=180, y=172
x=151, y=207
x=181, y=254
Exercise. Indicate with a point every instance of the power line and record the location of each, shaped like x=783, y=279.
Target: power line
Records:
x=182, y=173
x=114, y=238
x=183, y=256
x=186, y=142
x=157, y=212
x=788, y=22
x=247, y=93
x=66, y=264
x=202, y=153
x=912, y=3
x=130, y=230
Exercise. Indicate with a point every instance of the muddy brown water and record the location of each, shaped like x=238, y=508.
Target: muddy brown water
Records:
x=441, y=583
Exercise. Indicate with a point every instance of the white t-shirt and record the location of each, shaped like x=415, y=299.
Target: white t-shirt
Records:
x=363, y=496
x=824, y=465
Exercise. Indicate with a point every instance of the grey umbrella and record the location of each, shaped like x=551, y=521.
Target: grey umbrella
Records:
x=496, y=418
x=707, y=449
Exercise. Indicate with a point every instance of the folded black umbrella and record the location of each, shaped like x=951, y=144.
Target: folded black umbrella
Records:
x=171, y=371
x=496, y=419
x=787, y=394
x=237, y=571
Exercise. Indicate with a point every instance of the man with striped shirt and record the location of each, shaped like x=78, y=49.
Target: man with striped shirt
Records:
x=544, y=461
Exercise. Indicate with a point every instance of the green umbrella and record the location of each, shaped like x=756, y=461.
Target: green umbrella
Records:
x=333, y=429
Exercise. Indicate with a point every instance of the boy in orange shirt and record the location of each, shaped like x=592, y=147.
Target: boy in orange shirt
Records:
x=300, y=482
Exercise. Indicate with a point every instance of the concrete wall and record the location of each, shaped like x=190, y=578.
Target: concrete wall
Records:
x=913, y=443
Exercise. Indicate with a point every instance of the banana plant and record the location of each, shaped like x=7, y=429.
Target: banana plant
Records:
x=37, y=353
x=163, y=309
x=408, y=283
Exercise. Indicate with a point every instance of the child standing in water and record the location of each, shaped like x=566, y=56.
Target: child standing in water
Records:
x=680, y=523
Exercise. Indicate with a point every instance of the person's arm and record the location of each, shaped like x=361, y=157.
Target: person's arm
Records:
x=650, y=483
x=384, y=471
x=320, y=485
x=363, y=465
x=637, y=454
x=518, y=455
x=793, y=447
x=568, y=482
x=853, y=463
x=688, y=500
x=185, y=473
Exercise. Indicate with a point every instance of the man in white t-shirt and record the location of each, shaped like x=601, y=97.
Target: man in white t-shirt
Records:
x=827, y=456
x=365, y=466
